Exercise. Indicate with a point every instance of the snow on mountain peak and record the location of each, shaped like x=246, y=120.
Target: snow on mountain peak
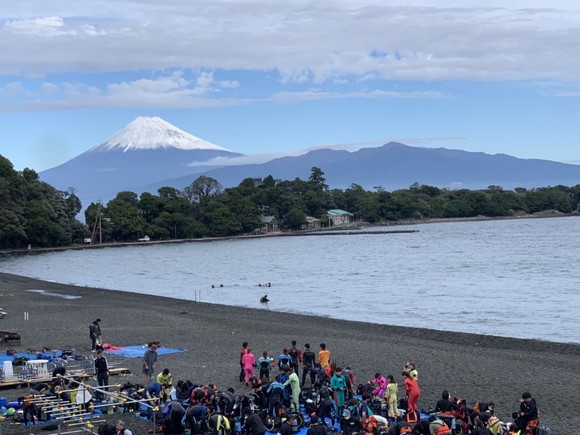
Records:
x=148, y=133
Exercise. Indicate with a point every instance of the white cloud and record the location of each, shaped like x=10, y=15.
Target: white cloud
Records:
x=205, y=79
x=172, y=90
x=302, y=40
x=317, y=94
x=43, y=26
x=230, y=84
x=351, y=147
x=564, y=94
x=49, y=88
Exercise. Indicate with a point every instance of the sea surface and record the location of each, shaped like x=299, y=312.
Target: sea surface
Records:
x=515, y=278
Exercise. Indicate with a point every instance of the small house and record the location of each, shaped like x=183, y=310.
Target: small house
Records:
x=337, y=217
x=312, y=223
x=270, y=224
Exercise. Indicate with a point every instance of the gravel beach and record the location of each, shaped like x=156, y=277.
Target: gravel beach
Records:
x=477, y=367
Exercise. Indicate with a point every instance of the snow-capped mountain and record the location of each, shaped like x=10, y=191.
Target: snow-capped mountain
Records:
x=147, y=150
x=150, y=133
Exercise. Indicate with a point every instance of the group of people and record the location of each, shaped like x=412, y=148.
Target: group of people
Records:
x=302, y=379
x=333, y=390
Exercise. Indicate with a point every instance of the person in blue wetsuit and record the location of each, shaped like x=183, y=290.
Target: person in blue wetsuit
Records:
x=275, y=393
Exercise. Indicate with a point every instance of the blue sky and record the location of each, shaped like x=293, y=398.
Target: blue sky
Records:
x=268, y=78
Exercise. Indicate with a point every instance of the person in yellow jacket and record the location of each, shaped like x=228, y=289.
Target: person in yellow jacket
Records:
x=165, y=379
x=392, y=397
x=494, y=425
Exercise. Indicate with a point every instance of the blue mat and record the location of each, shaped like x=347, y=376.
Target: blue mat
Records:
x=30, y=356
x=139, y=350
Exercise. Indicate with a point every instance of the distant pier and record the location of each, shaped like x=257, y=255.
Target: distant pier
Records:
x=348, y=233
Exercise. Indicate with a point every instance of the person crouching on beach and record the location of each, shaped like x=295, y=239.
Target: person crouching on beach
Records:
x=120, y=428
x=165, y=378
x=380, y=384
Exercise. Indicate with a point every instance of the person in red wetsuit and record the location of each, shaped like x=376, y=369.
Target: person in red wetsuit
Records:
x=413, y=391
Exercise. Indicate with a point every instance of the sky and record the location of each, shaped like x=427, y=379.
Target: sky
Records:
x=271, y=77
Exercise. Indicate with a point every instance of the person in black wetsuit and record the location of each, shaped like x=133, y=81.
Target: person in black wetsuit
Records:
x=528, y=411
x=286, y=428
x=173, y=414
x=316, y=428
x=102, y=369
x=308, y=361
x=254, y=424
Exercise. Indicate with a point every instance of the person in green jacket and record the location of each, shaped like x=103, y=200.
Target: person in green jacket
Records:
x=294, y=382
x=338, y=385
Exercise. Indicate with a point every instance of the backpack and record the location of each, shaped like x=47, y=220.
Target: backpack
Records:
x=443, y=429
x=107, y=429
x=404, y=428
x=265, y=365
x=283, y=360
x=20, y=361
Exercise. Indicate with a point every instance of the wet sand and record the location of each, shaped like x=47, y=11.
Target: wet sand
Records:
x=476, y=367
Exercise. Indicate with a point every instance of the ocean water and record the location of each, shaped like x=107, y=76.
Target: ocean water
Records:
x=514, y=278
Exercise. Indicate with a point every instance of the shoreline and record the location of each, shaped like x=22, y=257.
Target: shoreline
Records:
x=322, y=231
x=440, y=335
x=477, y=367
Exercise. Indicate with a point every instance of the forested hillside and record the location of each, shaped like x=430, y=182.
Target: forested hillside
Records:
x=34, y=213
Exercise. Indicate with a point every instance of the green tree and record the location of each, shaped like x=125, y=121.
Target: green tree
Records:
x=220, y=221
x=316, y=181
x=127, y=222
x=295, y=219
x=202, y=189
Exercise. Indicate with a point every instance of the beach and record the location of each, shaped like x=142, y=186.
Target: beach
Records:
x=476, y=367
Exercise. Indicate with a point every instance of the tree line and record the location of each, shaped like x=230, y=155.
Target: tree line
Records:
x=33, y=212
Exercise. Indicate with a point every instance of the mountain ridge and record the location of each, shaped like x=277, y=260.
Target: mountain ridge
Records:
x=150, y=153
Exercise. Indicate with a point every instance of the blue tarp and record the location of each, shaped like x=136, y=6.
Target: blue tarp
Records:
x=47, y=356
x=138, y=351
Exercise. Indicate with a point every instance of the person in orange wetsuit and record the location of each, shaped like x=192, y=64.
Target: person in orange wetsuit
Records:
x=413, y=391
x=323, y=356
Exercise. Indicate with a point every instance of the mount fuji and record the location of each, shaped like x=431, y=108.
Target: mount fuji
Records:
x=148, y=150
x=154, y=133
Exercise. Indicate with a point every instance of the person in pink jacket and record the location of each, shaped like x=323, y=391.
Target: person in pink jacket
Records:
x=249, y=362
x=380, y=384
